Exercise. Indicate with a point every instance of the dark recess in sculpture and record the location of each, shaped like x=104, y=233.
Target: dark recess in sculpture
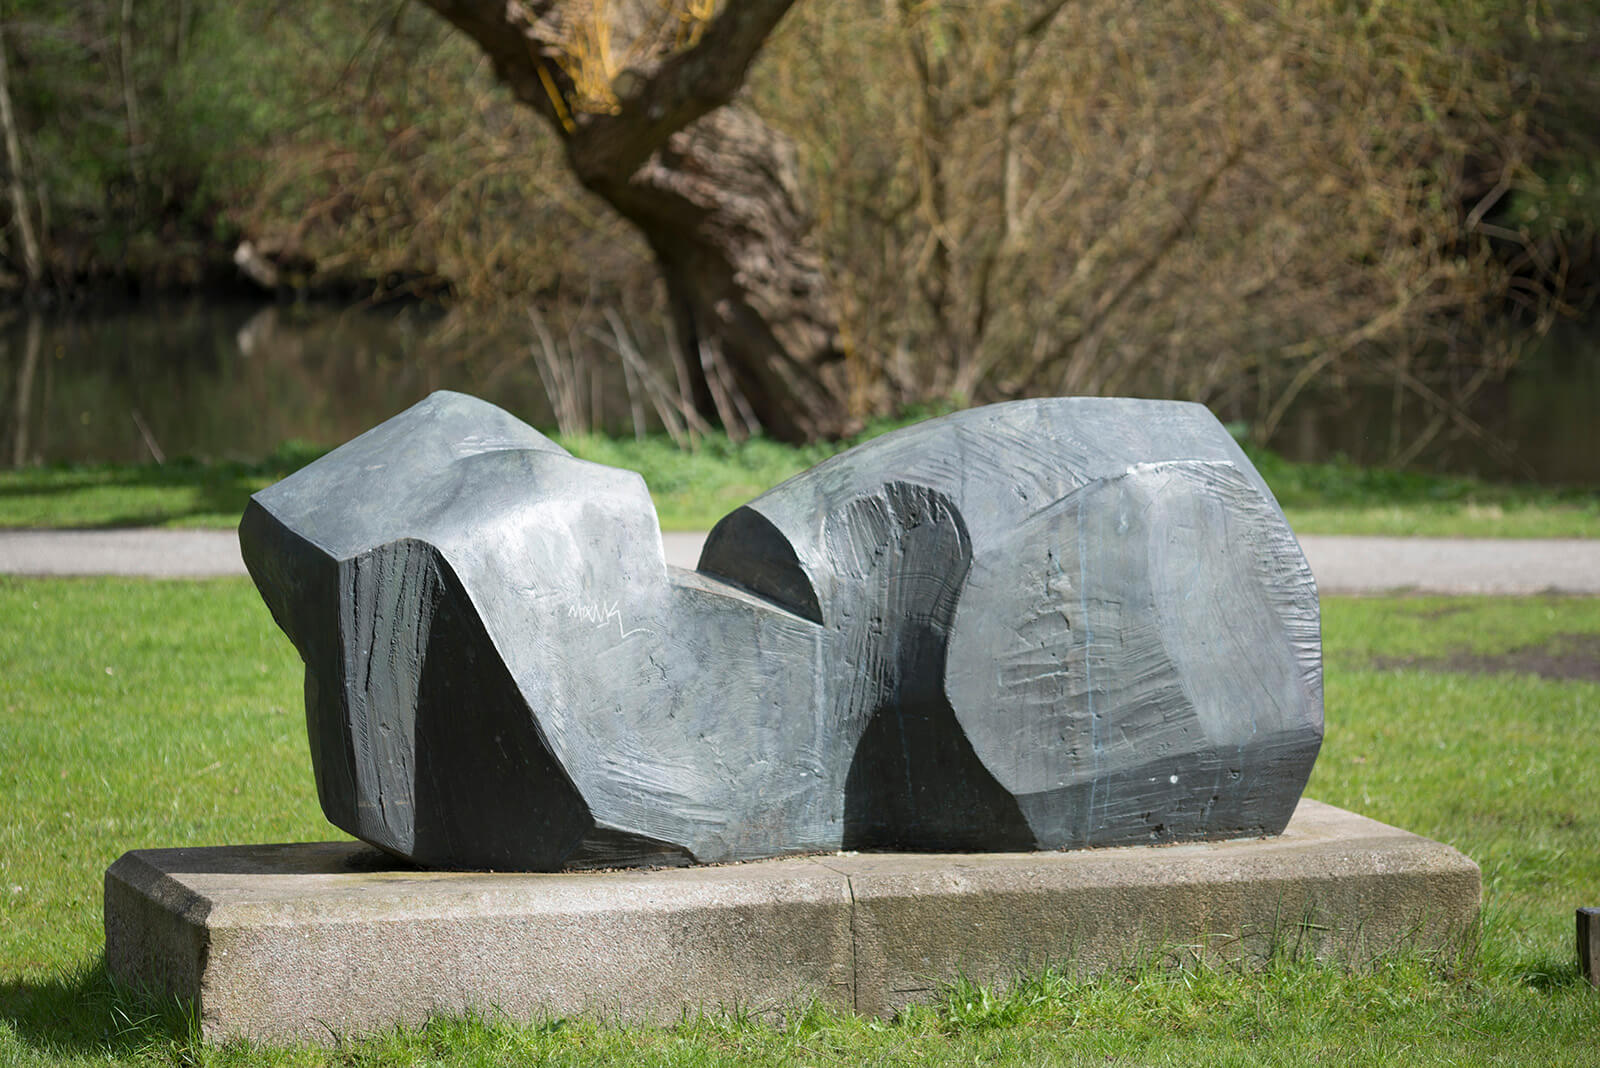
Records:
x=1040, y=625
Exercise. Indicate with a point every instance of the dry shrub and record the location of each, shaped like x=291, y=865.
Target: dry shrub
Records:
x=411, y=162
x=1226, y=201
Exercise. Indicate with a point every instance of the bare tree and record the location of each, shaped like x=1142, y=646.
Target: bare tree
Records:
x=1238, y=202
x=641, y=92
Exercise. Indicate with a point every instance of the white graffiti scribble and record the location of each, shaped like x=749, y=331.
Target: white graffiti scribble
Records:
x=602, y=615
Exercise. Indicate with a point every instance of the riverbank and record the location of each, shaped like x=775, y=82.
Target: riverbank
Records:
x=692, y=490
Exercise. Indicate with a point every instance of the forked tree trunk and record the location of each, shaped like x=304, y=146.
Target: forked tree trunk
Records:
x=714, y=191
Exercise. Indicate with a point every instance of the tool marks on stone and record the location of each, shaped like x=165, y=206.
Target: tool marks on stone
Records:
x=1046, y=624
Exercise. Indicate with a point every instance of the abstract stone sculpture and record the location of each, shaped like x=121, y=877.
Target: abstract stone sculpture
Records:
x=1040, y=625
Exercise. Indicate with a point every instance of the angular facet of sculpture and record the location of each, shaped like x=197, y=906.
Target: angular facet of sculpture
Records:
x=1040, y=625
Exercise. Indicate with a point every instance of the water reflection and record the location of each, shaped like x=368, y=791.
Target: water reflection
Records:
x=235, y=380
x=1540, y=424
x=31, y=344
x=218, y=380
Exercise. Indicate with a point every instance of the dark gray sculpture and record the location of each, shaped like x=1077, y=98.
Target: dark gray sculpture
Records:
x=1039, y=625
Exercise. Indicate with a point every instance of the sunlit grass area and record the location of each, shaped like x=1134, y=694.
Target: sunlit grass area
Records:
x=139, y=714
x=692, y=490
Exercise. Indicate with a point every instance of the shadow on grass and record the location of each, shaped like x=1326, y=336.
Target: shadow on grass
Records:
x=85, y=1012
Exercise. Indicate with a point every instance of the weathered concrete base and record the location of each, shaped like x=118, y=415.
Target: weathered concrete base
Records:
x=298, y=943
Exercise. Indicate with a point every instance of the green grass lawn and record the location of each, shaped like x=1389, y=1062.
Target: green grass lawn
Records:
x=1342, y=498
x=693, y=490
x=137, y=714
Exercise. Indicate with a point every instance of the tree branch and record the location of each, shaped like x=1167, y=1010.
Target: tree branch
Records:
x=528, y=42
x=522, y=39
x=675, y=91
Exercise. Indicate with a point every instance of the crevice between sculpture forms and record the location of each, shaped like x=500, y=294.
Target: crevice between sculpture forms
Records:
x=1047, y=624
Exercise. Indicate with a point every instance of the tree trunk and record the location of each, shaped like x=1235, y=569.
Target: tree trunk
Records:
x=130, y=96
x=752, y=309
x=711, y=187
x=32, y=262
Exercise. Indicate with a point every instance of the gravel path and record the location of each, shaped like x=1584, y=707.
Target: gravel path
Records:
x=162, y=553
x=1341, y=564
x=1454, y=565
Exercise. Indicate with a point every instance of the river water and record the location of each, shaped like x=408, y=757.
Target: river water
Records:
x=208, y=379
x=220, y=380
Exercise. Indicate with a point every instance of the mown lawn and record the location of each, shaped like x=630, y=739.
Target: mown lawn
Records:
x=139, y=714
x=692, y=490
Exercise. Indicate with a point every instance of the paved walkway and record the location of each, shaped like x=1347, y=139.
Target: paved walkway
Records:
x=1341, y=564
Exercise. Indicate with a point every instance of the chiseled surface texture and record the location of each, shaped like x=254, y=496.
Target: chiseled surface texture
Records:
x=1038, y=625
x=310, y=942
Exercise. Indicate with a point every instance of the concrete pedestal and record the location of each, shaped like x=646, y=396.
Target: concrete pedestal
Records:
x=299, y=943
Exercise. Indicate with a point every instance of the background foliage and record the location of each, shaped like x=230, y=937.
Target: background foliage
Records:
x=1230, y=201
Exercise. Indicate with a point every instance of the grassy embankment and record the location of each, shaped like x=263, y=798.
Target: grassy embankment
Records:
x=693, y=490
x=142, y=714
